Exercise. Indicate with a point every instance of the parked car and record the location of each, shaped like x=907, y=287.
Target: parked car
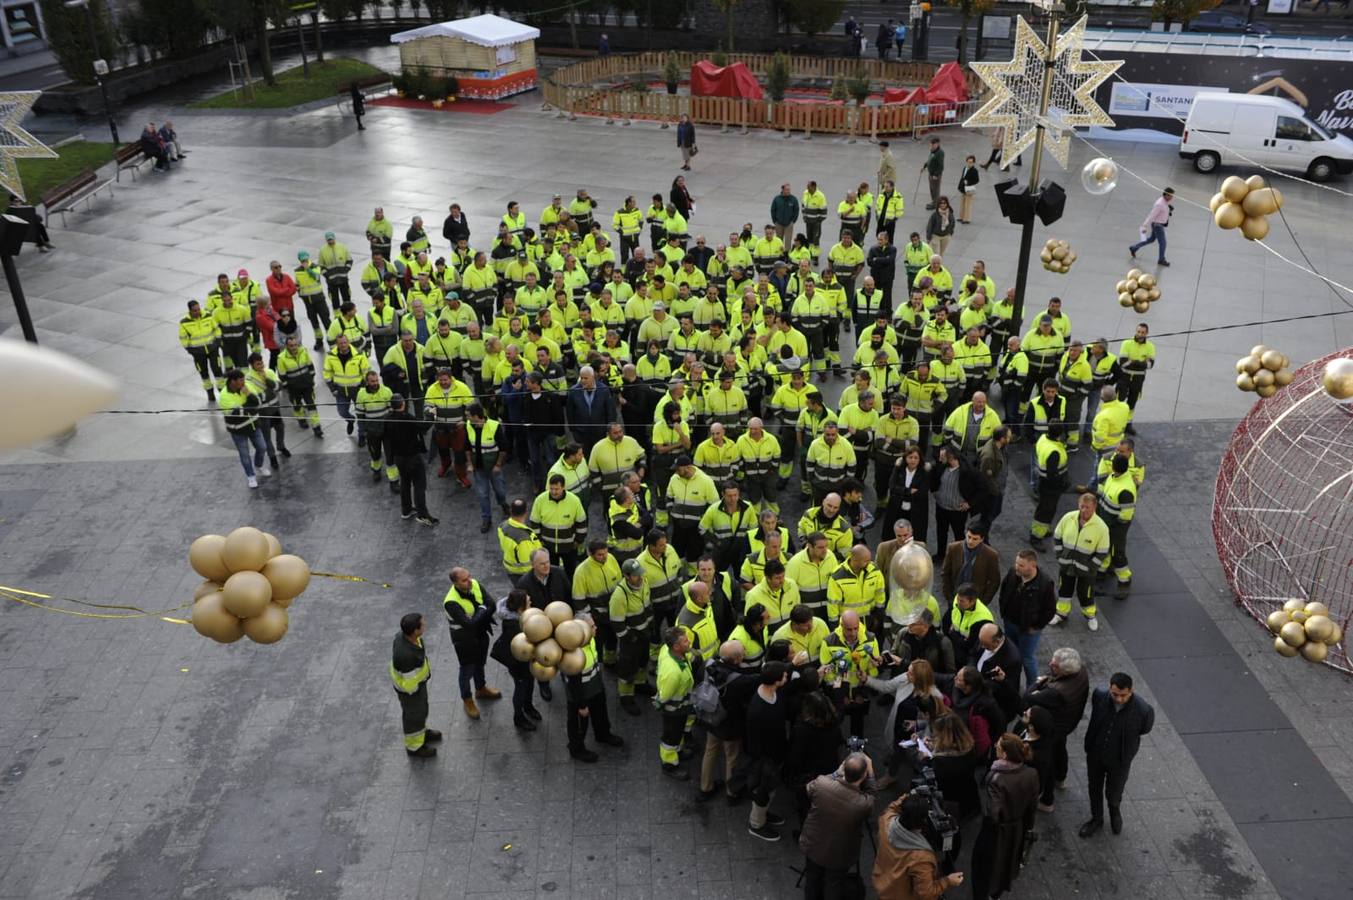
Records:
x=1217, y=22
x=1228, y=129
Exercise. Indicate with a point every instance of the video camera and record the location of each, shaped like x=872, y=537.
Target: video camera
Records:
x=855, y=744
x=940, y=827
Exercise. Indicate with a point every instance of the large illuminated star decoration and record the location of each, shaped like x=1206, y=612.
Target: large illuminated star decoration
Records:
x=15, y=142
x=1017, y=88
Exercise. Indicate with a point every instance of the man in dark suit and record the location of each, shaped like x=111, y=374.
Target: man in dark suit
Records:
x=972, y=560
x=958, y=491
x=1118, y=719
x=1001, y=665
x=590, y=408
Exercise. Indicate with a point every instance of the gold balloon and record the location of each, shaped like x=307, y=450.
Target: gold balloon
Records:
x=1272, y=360
x=1252, y=364
x=1120, y=286
x=245, y=550
x=205, y=588
x=1284, y=648
x=274, y=545
x=1245, y=381
x=1293, y=633
x=1046, y=256
x=1147, y=281
x=205, y=557
x=289, y=575
x=1142, y=306
x=1154, y=294
x=1229, y=215
x=543, y=673
x=522, y=649
x=1336, y=635
x=267, y=627
x=1217, y=200
x=1282, y=377
x=1337, y=381
x=1277, y=619
x=1259, y=203
x=1299, y=616
x=1234, y=189
x=911, y=568
x=1125, y=299
x=1105, y=171
x=1314, y=651
x=1050, y=244
x=1254, y=183
x=1267, y=390
x=572, y=662
x=1059, y=253
x=536, y=626
x=572, y=634
x=1256, y=229
x=1277, y=199
x=559, y=612
x=1263, y=378
x=548, y=652
x=211, y=619
x=1132, y=285
x=1134, y=273
x=1319, y=628
x=1141, y=295
x=1316, y=608
x=1258, y=350
x=246, y=594
x=1294, y=604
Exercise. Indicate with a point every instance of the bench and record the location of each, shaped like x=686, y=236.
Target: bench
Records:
x=366, y=85
x=62, y=198
x=130, y=156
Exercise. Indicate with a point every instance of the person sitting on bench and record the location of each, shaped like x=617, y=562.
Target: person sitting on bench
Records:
x=154, y=149
x=170, y=139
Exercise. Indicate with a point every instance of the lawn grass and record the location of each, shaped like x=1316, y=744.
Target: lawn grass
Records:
x=293, y=88
x=41, y=175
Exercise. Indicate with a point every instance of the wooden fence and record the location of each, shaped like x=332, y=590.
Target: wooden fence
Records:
x=580, y=89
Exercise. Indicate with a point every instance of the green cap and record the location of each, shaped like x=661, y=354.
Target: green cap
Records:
x=328, y=235
x=303, y=255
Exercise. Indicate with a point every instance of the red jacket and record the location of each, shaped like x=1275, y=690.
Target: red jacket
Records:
x=266, y=320
x=281, y=290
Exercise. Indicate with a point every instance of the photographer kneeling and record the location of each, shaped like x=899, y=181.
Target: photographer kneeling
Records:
x=905, y=866
x=840, y=804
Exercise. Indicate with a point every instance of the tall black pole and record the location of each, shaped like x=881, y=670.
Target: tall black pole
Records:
x=103, y=87
x=20, y=302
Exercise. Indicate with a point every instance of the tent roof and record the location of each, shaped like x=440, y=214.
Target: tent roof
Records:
x=487, y=31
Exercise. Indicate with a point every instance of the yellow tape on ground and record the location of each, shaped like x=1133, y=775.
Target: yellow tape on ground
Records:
x=384, y=584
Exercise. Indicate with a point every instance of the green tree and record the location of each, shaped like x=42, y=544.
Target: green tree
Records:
x=68, y=37
x=858, y=88
x=967, y=10
x=777, y=77
x=1182, y=11
x=248, y=19
x=839, y=89
x=170, y=28
x=814, y=16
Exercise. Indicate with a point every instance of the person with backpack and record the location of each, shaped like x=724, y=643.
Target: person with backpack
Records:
x=720, y=703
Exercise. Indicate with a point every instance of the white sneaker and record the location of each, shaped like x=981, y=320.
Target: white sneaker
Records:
x=265, y=472
x=253, y=482
x=1092, y=624
x=1057, y=619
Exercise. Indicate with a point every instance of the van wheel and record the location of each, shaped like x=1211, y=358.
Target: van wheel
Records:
x=1206, y=161
x=1321, y=170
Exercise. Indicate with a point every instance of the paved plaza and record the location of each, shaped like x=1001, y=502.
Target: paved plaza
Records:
x=143, y=761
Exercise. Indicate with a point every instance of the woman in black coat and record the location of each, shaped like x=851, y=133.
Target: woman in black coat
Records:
x=681, y=198
x=910, y=502
x=814, y=748
x=523, y=712
x=1009, y=801
x=967, y=188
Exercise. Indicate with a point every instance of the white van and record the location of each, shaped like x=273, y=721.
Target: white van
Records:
x=1222, y=128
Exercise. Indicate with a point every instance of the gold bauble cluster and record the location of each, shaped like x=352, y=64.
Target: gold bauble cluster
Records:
x=1057, y=256
x=1304, y=628
x=1138, y=290
x=551, y=640
x=250, y=583
x=1263, y=371
x=1245, y=203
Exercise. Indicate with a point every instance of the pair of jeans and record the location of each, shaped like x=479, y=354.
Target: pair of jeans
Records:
x=470, y=675
x=484, y=480
x=1027, y=642
x=1157, y=237
x=343, y=400
x=242, y=443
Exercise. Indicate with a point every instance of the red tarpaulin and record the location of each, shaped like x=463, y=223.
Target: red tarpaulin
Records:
x=708, y=80
x=948, y=86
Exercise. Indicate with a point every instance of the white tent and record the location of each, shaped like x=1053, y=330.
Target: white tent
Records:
x=486, y=31
x=489, y=56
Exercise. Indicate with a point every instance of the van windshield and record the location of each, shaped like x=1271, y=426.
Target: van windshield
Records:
x=1320, y=130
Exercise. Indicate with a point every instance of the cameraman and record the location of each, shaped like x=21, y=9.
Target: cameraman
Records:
x=905, y=865
x=840, y=803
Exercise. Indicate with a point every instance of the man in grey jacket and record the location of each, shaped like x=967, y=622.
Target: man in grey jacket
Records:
x=840, y=803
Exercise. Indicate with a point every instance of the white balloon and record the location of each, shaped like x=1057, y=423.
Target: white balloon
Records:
x=1100, y=175
x=46, y=392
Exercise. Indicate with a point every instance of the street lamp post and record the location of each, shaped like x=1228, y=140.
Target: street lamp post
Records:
x=99, y=63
